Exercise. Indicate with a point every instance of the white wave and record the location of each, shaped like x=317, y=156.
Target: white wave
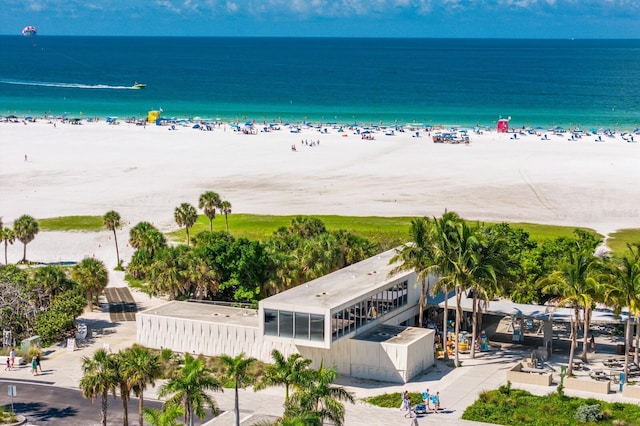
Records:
x=65, y=85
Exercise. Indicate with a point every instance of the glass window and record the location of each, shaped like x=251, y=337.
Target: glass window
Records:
x=302, y=326
x=317, y=327
x=270, y=322
x=286, y=323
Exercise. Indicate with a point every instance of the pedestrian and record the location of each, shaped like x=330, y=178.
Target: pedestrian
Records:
x=592, y=344
x=409, y=411
x=25, y=157
x=425, y=399
x=34, y=366
x=12, y=357
x=8, y=367
x=38, y=362
x=436, y=402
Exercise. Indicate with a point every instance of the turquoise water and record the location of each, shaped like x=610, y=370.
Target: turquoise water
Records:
x=432, y=81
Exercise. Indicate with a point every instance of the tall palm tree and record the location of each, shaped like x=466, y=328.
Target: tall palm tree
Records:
x=417, y=255
x=321, y=397
x=8, y=237
x=189, y=387
x=624, y=292
x=186, y=215
x=92, y=275
x=137, y=233
x=122, y=384
x=225, y=208
x=141, y=368
x=572, y=285
x=25, y=229
x=209, y=202
x=236, y=369
x=99, y=379
x=290, y=371
x=168, y=416
x=112, y=222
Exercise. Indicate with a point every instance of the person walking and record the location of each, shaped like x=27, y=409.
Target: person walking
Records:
x=12, y=357
x=409, y=410
x=425, y=399
x=8, y=367
x=34, y=366
x=405, y=396
x=38, y=365
x=436, y=402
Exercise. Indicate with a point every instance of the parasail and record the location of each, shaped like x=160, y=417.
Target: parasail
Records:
x=29, y=31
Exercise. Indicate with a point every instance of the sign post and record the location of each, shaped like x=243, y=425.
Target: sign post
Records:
x=12, y=393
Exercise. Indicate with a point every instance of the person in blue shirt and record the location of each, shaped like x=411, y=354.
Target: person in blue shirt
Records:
x=435, y=399
x=425, y=398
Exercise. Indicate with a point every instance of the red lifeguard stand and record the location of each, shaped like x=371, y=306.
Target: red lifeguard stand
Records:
x=503, y=125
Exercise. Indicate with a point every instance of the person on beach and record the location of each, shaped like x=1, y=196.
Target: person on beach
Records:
x=25, y=157
x=12, y=357
x=436, y=402
x=38, y=363
x=409, y=413
x=592, y=344
x=405, y=397
x=34, y=366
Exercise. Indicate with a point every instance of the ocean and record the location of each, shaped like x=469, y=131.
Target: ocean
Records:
x=466, y=82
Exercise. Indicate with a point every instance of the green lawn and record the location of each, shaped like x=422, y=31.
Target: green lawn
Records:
x=72, y=223
x=508, y=406
x=618, y=240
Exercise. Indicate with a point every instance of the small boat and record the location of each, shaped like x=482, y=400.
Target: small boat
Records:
x=139, y=86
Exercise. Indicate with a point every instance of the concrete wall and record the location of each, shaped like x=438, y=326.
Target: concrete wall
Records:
x=587, y=385
x=631, y=391
x=515, y=375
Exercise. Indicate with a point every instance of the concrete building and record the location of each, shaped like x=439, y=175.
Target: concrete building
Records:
x=357, y=319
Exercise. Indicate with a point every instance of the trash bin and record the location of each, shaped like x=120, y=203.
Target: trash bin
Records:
x=620, y=350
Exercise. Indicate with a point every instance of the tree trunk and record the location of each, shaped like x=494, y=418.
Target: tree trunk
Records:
x=474, y=325
x=125, y=409
x=115, y=238
x=236, y=408
x=457, y=328
x=103, y=411
x=24, y=252
x=141, y=408
x=6, y=245
x=226, y=220
x=445, y=323
x=187, y=229
x=585, y=334
x=210, y=225
x=574, y=341
x=420, y=315
x=627, y=339
x=635, y=353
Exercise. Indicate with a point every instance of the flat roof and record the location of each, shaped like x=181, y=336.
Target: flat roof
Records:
x=393, y=334
x=206, y=312
x=342, y=286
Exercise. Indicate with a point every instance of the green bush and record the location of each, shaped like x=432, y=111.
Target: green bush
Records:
x=588, y=413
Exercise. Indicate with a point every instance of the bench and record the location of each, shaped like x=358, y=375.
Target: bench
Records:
x=587, y=385
x=532, y=376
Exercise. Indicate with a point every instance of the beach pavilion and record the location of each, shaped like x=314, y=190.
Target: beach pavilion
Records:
x=358, y=319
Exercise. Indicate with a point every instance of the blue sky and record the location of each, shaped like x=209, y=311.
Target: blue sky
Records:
x=327, y=18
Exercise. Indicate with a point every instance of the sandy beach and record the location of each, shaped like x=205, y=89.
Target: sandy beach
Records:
x=145, y=172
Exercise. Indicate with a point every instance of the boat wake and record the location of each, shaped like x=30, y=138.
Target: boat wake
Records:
x=65, y=85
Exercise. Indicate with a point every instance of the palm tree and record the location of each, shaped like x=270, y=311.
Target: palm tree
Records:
x=141, y=367
x=92, y=276
x=189, y=388
x=112, y=222
x=624, y=291
x=321, y=397
x=25, y=229
x=573, y=285
x=417, y=255
x=225, y=208
x=236, y=369
x=290, y=371
x=209, y=202
x=122, y=384
x=185, y=215
x=99, y=379
x=137, y=233
x=168, y=416
x=8, y=237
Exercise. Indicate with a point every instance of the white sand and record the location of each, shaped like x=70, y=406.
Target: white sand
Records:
x=144, y=173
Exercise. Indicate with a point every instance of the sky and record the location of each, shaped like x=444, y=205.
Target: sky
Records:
x=327, y=18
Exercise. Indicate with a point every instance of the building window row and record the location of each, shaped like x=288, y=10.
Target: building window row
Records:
x=295, y=325
x=364, y=311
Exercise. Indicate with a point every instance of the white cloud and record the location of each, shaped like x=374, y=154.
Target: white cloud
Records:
x=232, y=7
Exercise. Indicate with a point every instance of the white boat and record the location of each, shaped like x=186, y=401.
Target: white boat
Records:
x=139, y=86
